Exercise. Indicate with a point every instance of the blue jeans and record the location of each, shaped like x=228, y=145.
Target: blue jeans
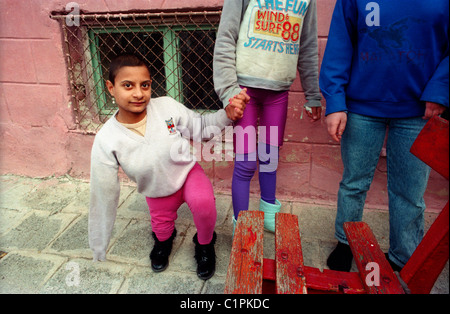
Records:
x=361, y=144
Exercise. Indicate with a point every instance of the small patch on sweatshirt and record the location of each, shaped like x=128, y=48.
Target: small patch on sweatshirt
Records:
x=171, y=126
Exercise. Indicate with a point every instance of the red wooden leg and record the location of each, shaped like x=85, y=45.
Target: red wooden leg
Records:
x=428, y=260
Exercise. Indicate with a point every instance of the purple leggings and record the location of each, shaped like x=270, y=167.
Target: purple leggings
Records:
x=271, y=109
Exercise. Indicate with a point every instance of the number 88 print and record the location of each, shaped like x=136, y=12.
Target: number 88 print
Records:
x=287, y=34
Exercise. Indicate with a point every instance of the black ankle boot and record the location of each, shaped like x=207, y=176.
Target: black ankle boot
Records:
x=341, y=258
x=205, y=256
x=159, y=256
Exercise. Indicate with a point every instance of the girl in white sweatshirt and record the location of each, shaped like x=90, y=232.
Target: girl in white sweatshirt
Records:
x=144, y=138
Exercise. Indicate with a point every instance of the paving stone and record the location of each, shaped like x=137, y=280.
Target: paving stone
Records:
x=316, y=222
x=144, y=280
x=224, y=208
x=9, y=218
x=36, y=231
x=20, y=273
x=52, y=195
x=441, y=285
x=310, y=250
x=215, y=285
x=134, y=206
x=80, y=276
x=74, y=241
x=16, y=193
x=134, y=243
x=80, y=201
x=75, y=238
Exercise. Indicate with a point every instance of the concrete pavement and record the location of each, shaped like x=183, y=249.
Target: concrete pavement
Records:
x=44, y=245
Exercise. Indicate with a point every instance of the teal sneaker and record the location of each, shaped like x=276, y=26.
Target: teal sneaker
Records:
x=269, y=214
x=234, y=226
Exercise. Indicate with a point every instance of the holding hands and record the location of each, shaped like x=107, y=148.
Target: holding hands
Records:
x=237, y=104
x=314, y=113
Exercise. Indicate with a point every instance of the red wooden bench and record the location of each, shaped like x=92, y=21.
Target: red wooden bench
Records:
x=250, y=273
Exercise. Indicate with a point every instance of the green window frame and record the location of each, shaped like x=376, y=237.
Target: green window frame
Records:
x=172, y=59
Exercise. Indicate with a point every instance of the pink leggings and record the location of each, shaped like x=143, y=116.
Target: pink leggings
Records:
x=198, y=193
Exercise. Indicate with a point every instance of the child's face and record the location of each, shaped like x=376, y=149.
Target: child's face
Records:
x=131, y=90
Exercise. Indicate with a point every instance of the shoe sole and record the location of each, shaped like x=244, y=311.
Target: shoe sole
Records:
x=160, y=270
x=209, y=277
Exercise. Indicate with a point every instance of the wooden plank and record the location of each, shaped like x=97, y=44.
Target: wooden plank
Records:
x=317, y=281
x=290, y=277
x=332, y=281
x=377, y=277
x=431, y=146
x=269, y=276
x=429, y=258
x=245, y=271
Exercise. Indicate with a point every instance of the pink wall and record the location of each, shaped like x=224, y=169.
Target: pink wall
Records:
x=38, y=133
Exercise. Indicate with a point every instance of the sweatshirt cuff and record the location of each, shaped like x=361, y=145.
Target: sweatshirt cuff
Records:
x=99, y=256
x=313, y=103
x=229, y=94
x=335, y=103
x=437, y=93
x=224, y=118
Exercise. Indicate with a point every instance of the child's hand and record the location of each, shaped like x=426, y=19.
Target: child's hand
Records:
x=432, y=109
x=336, y=123
x=237, y=104
x=315, y=113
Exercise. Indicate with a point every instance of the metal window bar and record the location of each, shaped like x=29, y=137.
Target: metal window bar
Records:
x=178, y=46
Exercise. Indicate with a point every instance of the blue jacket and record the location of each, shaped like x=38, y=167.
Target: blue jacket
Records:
x=386, y=58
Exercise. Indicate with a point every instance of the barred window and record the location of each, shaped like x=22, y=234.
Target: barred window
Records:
x=178, y=47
